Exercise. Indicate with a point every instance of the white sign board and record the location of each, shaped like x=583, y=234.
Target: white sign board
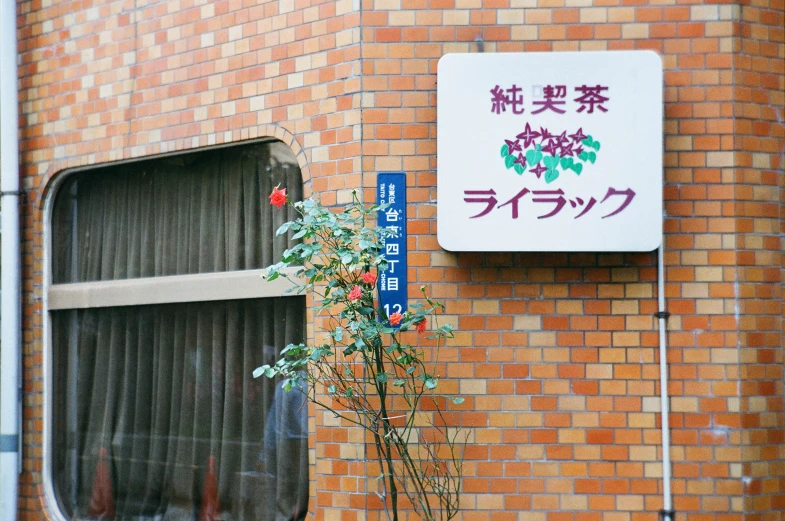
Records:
x=550, y=151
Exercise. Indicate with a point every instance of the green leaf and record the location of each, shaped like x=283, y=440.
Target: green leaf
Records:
x=551, y=162
x=577, y=168
x=349, y=392
x=457, y=401
x=596, y=146
x=382, y=378
x=551, y=175
x=509, y=161
x=283, y=229
x=518, y=169
x=430, y=383
x=592, y=157
x=583, y=155
x=566, y=162
x=331, y=389
x=533, y=157
x=399, y=383
x=503, y=151
x=347, y=258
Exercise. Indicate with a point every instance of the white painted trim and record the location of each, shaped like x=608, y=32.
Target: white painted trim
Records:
x=50, y=505
x=202, y=287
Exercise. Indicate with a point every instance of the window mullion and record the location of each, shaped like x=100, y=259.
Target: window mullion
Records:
x=199, y=287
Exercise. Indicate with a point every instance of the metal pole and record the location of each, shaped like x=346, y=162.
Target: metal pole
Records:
x=10, y=266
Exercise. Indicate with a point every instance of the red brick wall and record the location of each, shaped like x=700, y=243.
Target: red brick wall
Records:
x=759, y=72
x=556, y=354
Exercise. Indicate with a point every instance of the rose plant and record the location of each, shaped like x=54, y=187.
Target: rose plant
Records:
x=362, y=369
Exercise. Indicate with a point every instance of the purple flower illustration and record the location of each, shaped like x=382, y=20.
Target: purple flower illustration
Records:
x=578, y=136
x=528, y=136
x=544, y=134
x=566, y=150
x=551, y=147
x=538, y=170
x=513, y=146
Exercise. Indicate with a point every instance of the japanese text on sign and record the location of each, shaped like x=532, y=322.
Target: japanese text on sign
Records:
x=549, y=98
x=391, y=190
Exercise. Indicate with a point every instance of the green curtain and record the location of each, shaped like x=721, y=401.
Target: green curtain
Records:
x=155, y=393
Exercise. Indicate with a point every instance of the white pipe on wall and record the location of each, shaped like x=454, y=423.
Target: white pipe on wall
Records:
x=662, y=315
x=10, y=266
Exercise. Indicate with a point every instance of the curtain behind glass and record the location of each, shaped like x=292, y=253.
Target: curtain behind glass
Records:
x=147, y=399
x=200, y=213
x=159, y=390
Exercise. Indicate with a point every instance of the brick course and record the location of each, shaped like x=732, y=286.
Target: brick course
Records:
x=556, y=354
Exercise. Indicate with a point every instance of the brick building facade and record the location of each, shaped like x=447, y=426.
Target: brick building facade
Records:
x=556, y=354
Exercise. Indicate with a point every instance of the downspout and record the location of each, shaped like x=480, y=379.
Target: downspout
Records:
x=667, y=513
x=10, y=266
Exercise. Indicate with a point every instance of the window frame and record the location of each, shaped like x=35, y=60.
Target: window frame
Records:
x=172, y=289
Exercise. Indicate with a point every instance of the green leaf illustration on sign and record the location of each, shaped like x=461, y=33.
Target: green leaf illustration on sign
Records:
x=504, y=151
x=577, y=168
x=551, y=175
x=551, y=162
x=518, y=169
x=592, y=157
x=509, y=161
x=566, y=162
x=533, y=157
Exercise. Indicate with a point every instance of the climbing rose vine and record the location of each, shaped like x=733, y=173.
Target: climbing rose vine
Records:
x=362, y=368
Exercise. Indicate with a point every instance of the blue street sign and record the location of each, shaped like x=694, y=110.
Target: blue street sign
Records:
x=392, y=284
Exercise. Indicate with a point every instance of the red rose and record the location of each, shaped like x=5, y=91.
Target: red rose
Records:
x=278, y=197
x=355, y=294
x=395, y=318
x=421, y=326
x=369, y=278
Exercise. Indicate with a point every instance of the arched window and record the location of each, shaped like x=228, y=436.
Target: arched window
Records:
x=158, y=318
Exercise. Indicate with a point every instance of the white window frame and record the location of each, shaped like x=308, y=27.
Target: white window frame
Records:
x=201, y=287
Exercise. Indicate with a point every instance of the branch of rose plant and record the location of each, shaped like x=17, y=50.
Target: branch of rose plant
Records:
x=414, y=475
x=433, y=478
